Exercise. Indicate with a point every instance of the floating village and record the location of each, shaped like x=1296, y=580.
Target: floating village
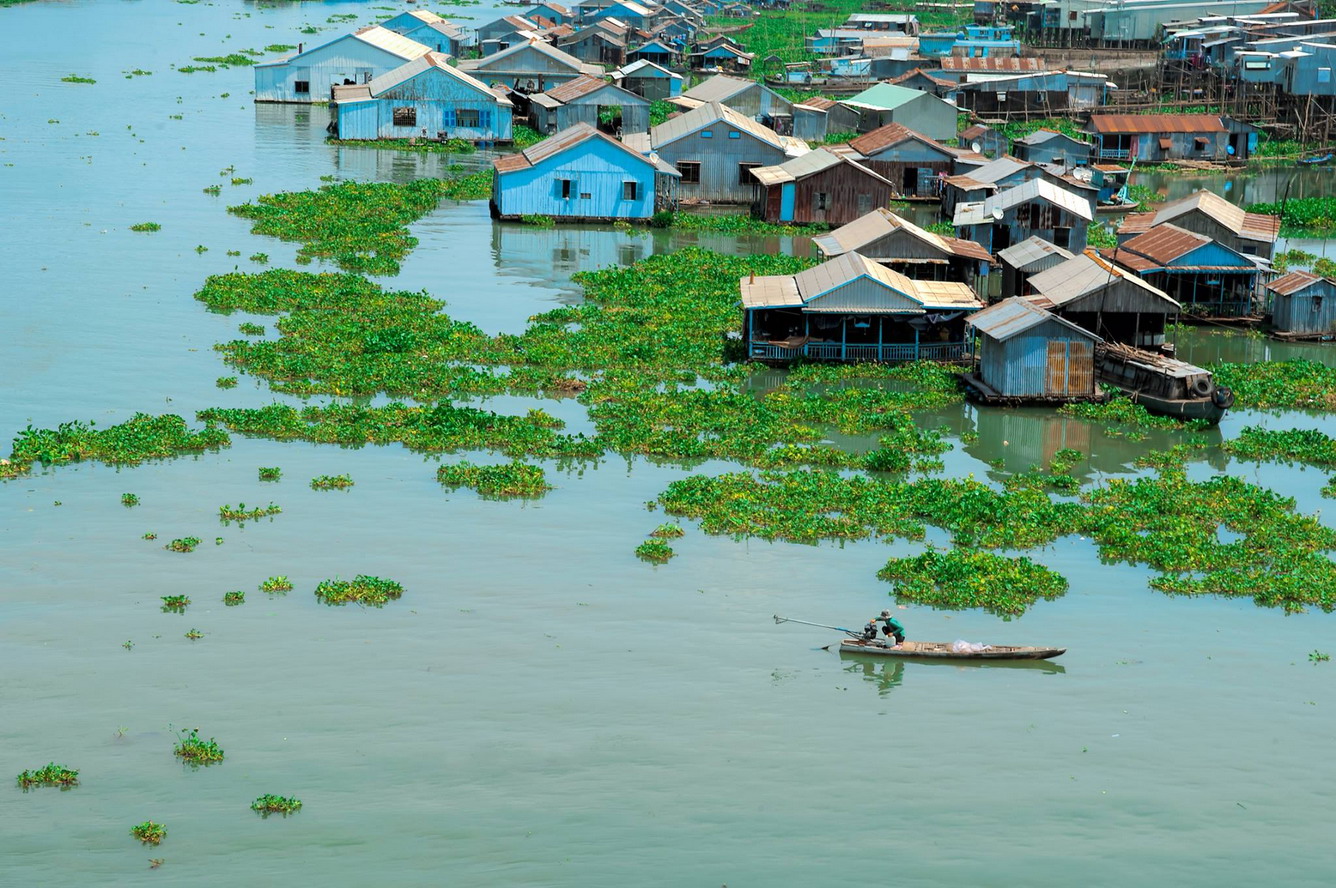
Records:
x=648, y=420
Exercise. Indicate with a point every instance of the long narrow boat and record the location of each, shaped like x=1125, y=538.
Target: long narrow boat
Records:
x=942, y=650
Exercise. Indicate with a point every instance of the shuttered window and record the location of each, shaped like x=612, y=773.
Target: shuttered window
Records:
x=406, y=116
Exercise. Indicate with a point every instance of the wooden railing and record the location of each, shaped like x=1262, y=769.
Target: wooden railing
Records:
x=834, y=351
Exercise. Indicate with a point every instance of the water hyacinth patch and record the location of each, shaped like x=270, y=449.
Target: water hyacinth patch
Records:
x=1289, y=446
x=963, y=578
x=194, y=634
x=175, y=603
x=75, y=78
x=140, y=438
x=197, y=751
x=146, y=226
x=331, y=482
x=276, y=585
x=249, y=329
x=270, y=473
x=129, y=500
x=275, y=804
x=1298, y=384
x=184, y=544
x=241, y=514
x=50, y=774
x=362, y=589
x=655, y=551
x=149, y=832
x=668, y=531
x=226, y=382
x=232, y=599
x=504, y=482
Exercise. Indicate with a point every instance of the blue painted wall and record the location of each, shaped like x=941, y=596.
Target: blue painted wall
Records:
x=322, y=67
x=595, y=168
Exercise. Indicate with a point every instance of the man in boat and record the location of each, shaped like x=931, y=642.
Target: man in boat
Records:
x=891, y=627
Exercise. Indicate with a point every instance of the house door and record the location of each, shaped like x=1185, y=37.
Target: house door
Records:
x=1070, y=369
x=909, y=182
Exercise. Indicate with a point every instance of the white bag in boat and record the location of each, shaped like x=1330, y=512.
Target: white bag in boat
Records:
x=960, y=646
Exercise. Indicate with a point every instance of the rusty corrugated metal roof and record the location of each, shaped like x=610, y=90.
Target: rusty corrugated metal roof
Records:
x=1165, y=243
x=1289, y=284
x=574, y=89
x=1156, y=123
x=891, y=134
x=993, y=63
x=1014, y=316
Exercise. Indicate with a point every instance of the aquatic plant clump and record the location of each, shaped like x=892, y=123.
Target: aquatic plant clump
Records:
x=75, y=78
x=149, y=833
x=140, y=438
x=196, y=750
x=505, y=481
x=240, y=513
x=146, y=226
x=1289, y=446
x=270, y=473
x=655, y=551
x=50, y=774
x=360, y=226
x=276, y=585
x=184, y=544
x=1298, y=384
x=129, y=500
x=362, y=589
x=668, y=531
x=1122, y=409
x=961, y=578
x=232, y=599
x=175, y=603
x=275, y=804
x=331, y=482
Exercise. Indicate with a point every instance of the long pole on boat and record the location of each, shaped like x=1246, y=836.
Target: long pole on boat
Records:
x=779, y=619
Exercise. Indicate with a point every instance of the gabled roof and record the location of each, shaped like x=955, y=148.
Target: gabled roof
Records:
x=992, y=63
x=381, y=38
x=496, y=60
x=712, y=112
x=1156, y=123
x=971, y=133
x=1083, y=275
x=645, y=68
x=409, y=70
x=809, y=164
x=583, y=86
x=922, y=72
x=719, y=88
x=1014, y=316
x=806, y=288
x=884, y=137
x=1294, y=282
x=817, y=103
x=979, y=212
x=858, y=235
x=1031, y=252
x=885, y=96
x=555, y=7
x=1163, y=244
x=1039, y=137
x=424, y=16
x=564, y=141
x=1249, y=226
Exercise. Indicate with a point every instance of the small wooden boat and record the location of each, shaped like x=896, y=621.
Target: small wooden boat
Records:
x=1321, y=158
x=1163, y=385
x=942, y=650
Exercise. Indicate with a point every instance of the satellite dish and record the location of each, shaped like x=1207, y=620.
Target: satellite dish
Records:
x=997, y=215
x=976, y=147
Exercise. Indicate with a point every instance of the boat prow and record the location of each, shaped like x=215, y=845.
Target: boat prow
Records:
x=943, y=650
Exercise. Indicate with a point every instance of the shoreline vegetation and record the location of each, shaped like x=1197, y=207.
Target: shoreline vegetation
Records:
x=652, y=354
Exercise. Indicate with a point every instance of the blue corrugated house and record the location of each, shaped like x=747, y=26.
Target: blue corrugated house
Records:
x=1027, y=353
x=311, y=75
x=1206, y=277
x=529, y=67
x=425, y=98
x=429, y=29
x=1304, y=305
x=581, y=174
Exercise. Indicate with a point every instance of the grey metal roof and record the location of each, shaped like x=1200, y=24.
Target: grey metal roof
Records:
x=978, y=212
x=1032, y=252
x=718, y=88
x=1083, y=275
x=870, y=227
x=905, y=296
x=712, y=112
x=1039, y=137
x=439, y=61
x=1014, y=316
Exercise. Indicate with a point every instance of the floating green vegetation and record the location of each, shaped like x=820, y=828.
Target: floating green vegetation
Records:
x=331, y=482
x=194, y=69
x=242, y=514
x=1122, y=410
x=196, y=750
x=1100, y=238
x=1298, y=384
x=668, y=531
x=505, y=481
x=139, y=72
x=275, y=804
x=148, y=832
x=129, y=500
x=184, y=544
x=140, y=438
x=249, y=329
x=201, y=249
x=260, y=258
x=242, y=180
x=655, y=551
x=226, y=382
x=1301, y=216
x=175, y=603
x=150, y=536
x=75, y=78
x=146, y=226
x=358, y=225
x=194, y=634
x=1318, y=657
x=730, y=223
x=423, y=146
x=270, y=473
x=961, y=578
x=362, y=589
x=49, y=775
x=213, y=189
x=538, y=220
x=231, y=59
x=279, y=47
x=232, y=599
x=1289, y=446
x=276, y=585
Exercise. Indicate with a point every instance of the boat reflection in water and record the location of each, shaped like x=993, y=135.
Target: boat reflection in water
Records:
x=888, y=673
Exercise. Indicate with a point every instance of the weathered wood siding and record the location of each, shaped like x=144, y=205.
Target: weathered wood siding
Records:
x=1020, y=367
x=848, y=194
x=324, y=67
x=598, y=173
x=653, y=88
x=719, y=156
x=437, y=99
x=635, y=109
x=1309, y=311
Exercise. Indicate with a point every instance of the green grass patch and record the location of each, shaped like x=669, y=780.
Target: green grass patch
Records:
x=362, y=589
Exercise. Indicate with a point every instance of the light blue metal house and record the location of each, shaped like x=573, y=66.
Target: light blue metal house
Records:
x=581, y=174
x=430, y=30
x=647, y=79
x=1028, y=353
x=426, y=98
x=553, y=12
x=311, y=75
x=529, y=67
x=1303, y=304
x=1205, y=277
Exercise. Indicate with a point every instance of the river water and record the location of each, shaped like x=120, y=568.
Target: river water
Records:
x=541, y=708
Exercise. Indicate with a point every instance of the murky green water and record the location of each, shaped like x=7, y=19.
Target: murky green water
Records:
x=541, y=708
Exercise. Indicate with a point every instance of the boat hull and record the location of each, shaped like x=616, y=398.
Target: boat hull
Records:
x=1196, y=408
x=941, y=650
